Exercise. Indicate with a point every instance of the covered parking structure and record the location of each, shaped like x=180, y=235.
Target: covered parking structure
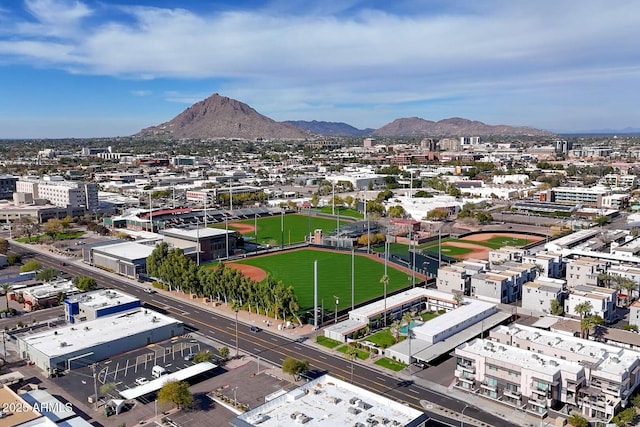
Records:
x=155, y=385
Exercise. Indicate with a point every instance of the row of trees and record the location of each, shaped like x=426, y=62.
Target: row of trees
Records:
x=225, y=284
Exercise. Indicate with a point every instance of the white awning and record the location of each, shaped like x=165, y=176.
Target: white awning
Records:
x=155, y=385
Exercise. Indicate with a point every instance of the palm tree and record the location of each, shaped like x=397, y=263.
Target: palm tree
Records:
x=583, y=309
x=6, y=287
x=235, y=306
x=395, y=330
x=351, y=355
x=407, y=319
x=385, y=282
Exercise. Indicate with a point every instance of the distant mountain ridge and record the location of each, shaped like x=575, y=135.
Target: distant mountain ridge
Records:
x=222, y=117
x=330, y=128
x=455, y=126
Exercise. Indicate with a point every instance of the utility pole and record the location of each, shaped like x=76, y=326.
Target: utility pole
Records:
x=95, y=386
x=353, y=252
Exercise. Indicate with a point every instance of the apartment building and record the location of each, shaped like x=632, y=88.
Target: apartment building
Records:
x=584, y=271
x=457, y=277
x=550, y=264
x=504, y=254
x=619, y=180
x=628, y=272
x=610, y=373
x=503, y=283
x=603, y=301
x=591, y=197
x=537, y=295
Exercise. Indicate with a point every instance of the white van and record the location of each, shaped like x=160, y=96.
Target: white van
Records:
x=158, y=371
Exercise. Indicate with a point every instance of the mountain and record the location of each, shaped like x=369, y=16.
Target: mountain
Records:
x=329, y=128
x=222, y=117
x=456, y=126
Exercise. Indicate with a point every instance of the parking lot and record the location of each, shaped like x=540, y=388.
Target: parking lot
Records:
x=133, y=368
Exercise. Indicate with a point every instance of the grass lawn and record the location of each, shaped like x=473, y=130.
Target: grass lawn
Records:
x=396, y=248
x=327, y=342
x=295, y=268
x=452, y=251
x=428, y=316
x=340, y=210
x=67, y=235
x=296, y=227
x=383, y=338
x=362, y=355
x=510, y=241
x=394, y=365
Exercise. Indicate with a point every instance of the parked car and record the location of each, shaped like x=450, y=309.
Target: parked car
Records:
x=141, y=381
x=189, y=357
x=150, y=290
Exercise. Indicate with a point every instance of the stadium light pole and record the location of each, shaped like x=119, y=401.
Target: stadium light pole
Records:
x=353, y=253
x=337, y=300
x=282, y=229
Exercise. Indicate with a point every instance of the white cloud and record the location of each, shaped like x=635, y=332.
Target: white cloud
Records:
x=141, y=92
x=330, y=56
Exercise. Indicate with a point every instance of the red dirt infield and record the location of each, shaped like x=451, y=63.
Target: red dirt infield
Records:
x=253, y=273
x=482, y=252
x=242, y=228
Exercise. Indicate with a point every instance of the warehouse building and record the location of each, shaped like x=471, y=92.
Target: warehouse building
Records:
x=125, y=258
x=74, y=346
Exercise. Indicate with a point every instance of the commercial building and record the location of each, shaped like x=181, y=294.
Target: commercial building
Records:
x=7, y=186
x=125, y=258
x=45, y=295
x=74, y=346
x=330, y=401
x=103, y=302
x=210, y=243
x=60, y=192
x=575, y=196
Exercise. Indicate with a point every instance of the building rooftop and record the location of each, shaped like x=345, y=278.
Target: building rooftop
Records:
x=470, y=308
x=539, y=363
x=127, y=250
x=51, y=289
x=329, y=401
x=72, y=338
x=607, y=358
x=9, y=399
x=409, y=295
x=195, y=233
x=102, y=298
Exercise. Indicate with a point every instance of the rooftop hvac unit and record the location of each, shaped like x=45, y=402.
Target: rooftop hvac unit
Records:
x=63, y=344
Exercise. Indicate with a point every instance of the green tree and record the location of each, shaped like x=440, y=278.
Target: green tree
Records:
x=107, y=388
x=635, y=400
x=458, y=297
x=202, y=356
x=601, y=220
x=394, y=329
x=53, y=227
x=556, y=308
x=625, y=417
x=437, y=214
x=13, y=259
x=315, y=199
x=31, y=265
x=577, y=420
x=224, y=352
x=583, y=309
x=294, y=367
x=47, y=274
x=396, y=211
x=84, y=283
x=176, y=392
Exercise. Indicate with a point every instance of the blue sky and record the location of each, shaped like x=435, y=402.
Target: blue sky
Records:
x=85, y=68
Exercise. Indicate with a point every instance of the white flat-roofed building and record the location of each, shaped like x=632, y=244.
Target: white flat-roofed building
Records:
x=584, y=271
x=452, y=278
x=94, y=304
x=550, y=264
x=515, y=376
x=611, y=373
x=79, y=345
x=126, y=258
x=468, y=313
x=571, y=240
x=330, y=401
x=537, y=295
x=603, y=301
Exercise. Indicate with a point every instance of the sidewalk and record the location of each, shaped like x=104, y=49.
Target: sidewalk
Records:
x=271, y=324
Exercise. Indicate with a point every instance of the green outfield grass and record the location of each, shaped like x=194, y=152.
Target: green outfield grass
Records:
x=509, y=241
x=295, y=268
x=296, y=227
x=451, y=251
x=339, y=210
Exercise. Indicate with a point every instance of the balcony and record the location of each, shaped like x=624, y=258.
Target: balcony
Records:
x=538, y=403
x=489, y=387
x=464, y=368
x=512, y=394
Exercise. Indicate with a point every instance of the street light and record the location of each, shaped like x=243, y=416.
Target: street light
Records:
x=337, y=302
x=235, y=400
x=462, y=413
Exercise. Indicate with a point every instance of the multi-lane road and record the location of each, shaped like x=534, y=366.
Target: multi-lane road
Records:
x=275, y=348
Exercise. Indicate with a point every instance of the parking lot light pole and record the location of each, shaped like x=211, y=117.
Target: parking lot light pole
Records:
x=462, y=413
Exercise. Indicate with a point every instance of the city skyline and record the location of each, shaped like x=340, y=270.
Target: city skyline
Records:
x=90, y=69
